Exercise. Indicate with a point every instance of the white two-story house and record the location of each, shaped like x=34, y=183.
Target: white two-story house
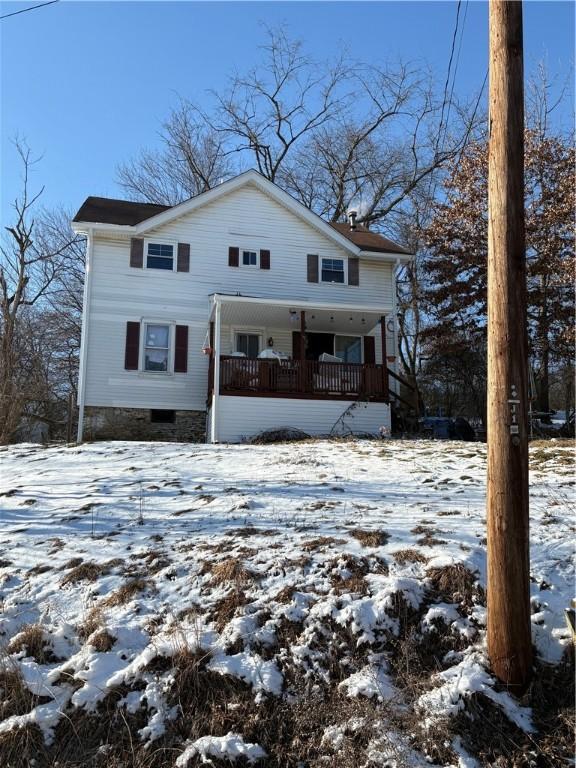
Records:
x=234, y=312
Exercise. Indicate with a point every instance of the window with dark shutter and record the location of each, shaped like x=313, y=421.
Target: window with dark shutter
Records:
x=312, y=268
x=181, y=349
x=132, y=350
x=353, y=271
x=137, y=252
x=264, y=259
x=233, y=257
x=183, y=261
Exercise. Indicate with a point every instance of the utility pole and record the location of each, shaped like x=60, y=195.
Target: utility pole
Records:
x=509, y=627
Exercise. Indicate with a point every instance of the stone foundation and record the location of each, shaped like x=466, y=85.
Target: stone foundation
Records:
x=102, y=423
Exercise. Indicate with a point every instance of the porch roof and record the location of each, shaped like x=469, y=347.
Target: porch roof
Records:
x=285, y=313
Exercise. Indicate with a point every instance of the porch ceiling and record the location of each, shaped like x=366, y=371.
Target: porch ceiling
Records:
x=273, y=316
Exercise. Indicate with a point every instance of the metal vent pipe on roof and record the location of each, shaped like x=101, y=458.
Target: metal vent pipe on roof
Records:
x=352, y=219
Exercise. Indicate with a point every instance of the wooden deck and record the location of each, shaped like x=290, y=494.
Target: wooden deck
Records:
x=307, y=379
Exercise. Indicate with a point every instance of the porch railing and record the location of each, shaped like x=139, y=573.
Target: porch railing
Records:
x=302, y=379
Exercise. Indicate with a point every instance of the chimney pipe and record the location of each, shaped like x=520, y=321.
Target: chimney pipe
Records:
x=352, y=219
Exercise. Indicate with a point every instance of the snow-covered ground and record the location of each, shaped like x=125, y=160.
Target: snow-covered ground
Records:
x=289, y=570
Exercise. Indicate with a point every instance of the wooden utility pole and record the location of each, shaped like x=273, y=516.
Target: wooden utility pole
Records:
x=509, y=627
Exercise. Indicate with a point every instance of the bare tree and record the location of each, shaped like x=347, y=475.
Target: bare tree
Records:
x=192, y=160
x=332, y=134
x=27, y=274
x=274, y=107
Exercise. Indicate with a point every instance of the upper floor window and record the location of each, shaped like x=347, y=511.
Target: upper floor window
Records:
x=249, y=258
x=159, y=255
x=332, y=270
x=156, y=347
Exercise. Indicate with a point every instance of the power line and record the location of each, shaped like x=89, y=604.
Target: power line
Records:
x=447, y=83
x=32, y=8
x=455, y=72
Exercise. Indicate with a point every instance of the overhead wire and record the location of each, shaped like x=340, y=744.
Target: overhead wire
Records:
x=31, y=8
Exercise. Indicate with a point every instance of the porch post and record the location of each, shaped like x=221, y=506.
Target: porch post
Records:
x=216, y=387
x=384, y=360
x=302, y=350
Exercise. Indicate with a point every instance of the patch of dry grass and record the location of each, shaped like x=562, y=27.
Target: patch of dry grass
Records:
x=126, y=592
x=286, y=594
x=456, y=584
x=32, y=641
x=227, y=608
x=89, y=571
x=370, y=538
x=102, y=641
x=250, y=530
x=230, y=571
x=93, y=621
x=321, y=542
x=405, y=556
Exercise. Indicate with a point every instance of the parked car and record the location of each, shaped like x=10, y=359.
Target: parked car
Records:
x=445, y=428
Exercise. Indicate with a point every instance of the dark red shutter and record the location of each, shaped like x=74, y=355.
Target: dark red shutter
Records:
x=369, y=350
x=264, y=259
x=183, y=262
x=312, y=268
x=353, y=271
x=132, y=351
x=233, y=257
x=137, y=252
x=181, y=349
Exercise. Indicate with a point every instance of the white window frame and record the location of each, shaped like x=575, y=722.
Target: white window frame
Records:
x=161, y=241
x=144, y=323
x=249, y=250
x=344, y=261
x=235, y=330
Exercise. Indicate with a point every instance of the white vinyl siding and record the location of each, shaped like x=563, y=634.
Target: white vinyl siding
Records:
x=242, y=417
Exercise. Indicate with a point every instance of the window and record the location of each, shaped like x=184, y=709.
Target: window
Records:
x=160, y=256
x=332, y=270
x=162, y=417
x=349, y=348
x=157, y=348
x=249, y=258
x=248, y=343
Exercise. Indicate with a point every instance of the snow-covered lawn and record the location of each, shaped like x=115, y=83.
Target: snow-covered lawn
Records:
x=315, y=603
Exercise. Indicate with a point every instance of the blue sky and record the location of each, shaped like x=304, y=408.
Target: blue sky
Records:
x=87, y=84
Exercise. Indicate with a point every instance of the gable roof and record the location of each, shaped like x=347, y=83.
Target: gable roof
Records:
x=145, y=216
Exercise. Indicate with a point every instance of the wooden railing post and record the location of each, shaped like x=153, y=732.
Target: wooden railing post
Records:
x=303, y=372
x=384, y=357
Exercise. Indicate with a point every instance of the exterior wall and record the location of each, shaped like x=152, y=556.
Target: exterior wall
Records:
x=246, y=218
x=135, y=424
x=243, y=417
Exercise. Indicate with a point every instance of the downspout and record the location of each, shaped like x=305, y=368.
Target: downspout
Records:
x=84, y=334
x=216, y=383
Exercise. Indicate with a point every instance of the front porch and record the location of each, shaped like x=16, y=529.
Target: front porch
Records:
x=262, y=349
x=292, y=352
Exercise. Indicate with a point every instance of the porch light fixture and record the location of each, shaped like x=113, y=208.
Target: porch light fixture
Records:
x=331, y=318
x=293, y=316
x=363, y=321
x=270, y=341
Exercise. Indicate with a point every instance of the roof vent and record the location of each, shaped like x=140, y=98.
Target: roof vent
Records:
x=352, y=219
